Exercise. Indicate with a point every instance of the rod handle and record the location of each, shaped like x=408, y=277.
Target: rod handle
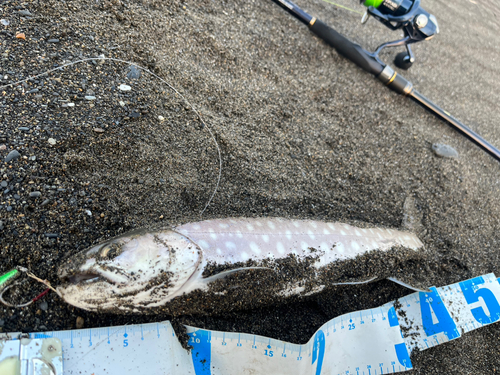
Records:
x=346, y=48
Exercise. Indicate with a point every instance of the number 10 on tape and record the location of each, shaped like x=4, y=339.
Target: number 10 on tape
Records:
x=444, y=313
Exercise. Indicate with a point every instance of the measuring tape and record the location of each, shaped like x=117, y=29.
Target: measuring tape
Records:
x=368, y=342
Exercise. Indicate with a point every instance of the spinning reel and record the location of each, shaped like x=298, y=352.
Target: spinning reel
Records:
x=416, y=23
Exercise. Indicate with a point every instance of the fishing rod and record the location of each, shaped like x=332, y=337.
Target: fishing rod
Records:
x=417, y=24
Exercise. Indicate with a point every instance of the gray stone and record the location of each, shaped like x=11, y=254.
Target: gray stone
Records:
x=444, y=151
x=44, y=305
x=25, y=12
x=53, y=41
x=90, y=97
x=35, y=194
x=4, y=184
x=24, y=128
x=134, y=72
x=13, y=155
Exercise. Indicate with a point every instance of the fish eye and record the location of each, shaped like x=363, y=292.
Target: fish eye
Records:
x=110, y=250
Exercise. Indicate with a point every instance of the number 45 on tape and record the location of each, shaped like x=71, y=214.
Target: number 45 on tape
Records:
x=444, y=314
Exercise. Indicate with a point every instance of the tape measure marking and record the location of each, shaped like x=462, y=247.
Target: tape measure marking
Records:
x=365, y=342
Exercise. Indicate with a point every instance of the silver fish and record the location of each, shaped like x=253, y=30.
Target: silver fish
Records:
x=203, y=262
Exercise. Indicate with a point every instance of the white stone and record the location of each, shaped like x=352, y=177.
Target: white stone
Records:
x=125, y=87
x=52, y=141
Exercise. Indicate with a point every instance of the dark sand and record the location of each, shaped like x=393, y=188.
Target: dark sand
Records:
x=303, y=133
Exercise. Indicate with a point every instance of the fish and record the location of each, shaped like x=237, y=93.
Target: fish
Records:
x=221, y=264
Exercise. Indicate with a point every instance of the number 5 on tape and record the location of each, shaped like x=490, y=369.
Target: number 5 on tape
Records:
x=442, y=314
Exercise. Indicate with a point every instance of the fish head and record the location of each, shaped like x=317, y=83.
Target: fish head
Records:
x=136, y=270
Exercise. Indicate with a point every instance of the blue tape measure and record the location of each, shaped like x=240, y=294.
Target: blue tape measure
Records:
x=368, y=342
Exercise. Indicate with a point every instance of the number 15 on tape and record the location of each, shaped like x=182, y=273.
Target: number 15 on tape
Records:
x=443, y=313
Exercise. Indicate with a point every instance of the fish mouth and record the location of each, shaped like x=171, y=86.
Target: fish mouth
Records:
x=112, y=275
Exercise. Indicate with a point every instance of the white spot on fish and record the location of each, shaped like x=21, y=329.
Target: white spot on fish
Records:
x=288, y=234
x=255, y=248
x=363, y=230
x=239, y=235
x=304, y=245
x=244, y=256
x=230, y=245
x=213, y=236
x=271, y=225
x=324, y=246
x=219, y=251
x=265, y=238
x=343, y=233
x=355, y=246
x=258, y=223
x=340, y=248
x=196, y=226
x=311, y=235
x=331, y=226
x=249, y=227
x=356, y=232
x=375, y=245
x=325, y=231
x=204, y=244
x=280, y=248
x=296, y=224
x=222, y=225
x=313, y=224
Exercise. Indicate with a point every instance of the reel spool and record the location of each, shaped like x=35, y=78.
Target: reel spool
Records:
x=408, y=15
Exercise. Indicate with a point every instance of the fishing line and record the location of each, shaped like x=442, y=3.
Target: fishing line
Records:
x=7, y=282
x=343, y=7
x=200, y=117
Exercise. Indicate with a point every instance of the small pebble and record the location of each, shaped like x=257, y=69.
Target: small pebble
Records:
x=4, y=22
x=90, y=97
x=21, y=36
x=125, y=87
x=135, y=115
x=24, y=128
x=44, y=305
x=161, y=118
x=45, y=202
x=35, y=194
x=52, y=141
x=134, y=72
x=121, y=103
x=70, y=104
x=4, y=184
x=79, y=322
x=33, y=158
x=88, y=212
x=25, y=12
x=13, y=155
x=53, y=41
x=51, y=235
x=3, y=147
x=444, y=151
x=99, y=130
x=32, y=91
